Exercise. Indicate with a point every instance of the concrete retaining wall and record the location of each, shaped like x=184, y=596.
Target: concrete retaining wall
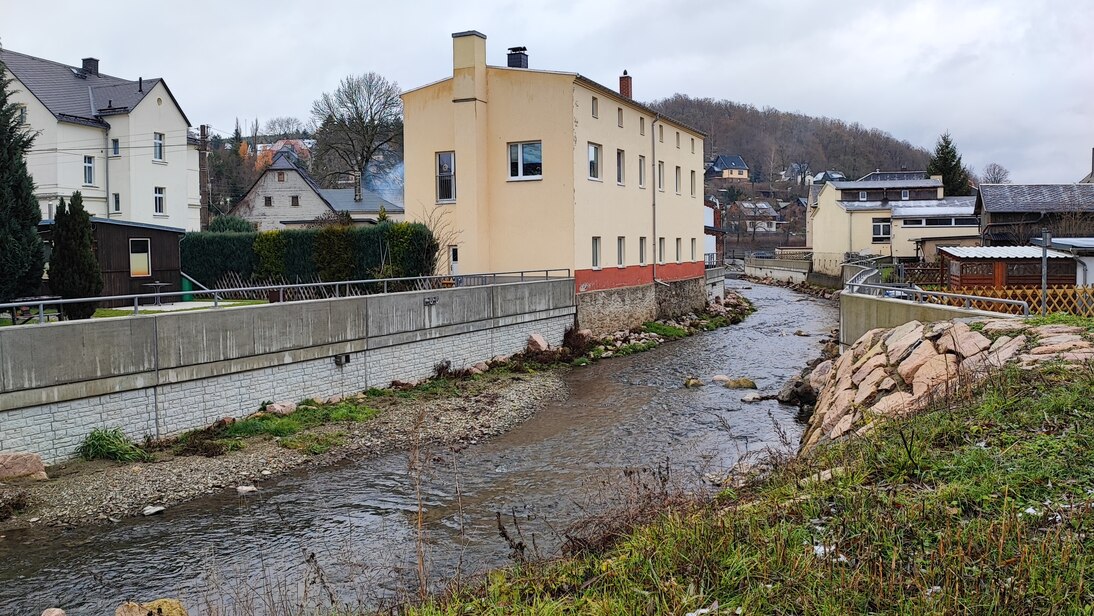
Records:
x=164, y=374
x=859, y=314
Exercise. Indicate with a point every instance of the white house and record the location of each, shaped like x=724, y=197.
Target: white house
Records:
x=124, y=144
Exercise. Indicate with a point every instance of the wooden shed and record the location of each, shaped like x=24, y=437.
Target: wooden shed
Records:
x=1000, y=267
x=131, y=255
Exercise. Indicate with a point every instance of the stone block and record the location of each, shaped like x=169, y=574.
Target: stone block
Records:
x=22, y=465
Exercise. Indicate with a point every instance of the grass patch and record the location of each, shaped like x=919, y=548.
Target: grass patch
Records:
x=982, y=507
x=1062, y=318
x=305, y=417
x=313, y=444
x=111, y=444
x=668, y=332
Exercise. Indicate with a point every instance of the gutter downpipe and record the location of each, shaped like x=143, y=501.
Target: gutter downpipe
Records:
x=106, y=170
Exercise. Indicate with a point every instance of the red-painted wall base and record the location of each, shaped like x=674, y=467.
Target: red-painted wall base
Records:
x=634, y=275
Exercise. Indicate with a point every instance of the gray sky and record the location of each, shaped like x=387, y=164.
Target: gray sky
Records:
x=1012, y=80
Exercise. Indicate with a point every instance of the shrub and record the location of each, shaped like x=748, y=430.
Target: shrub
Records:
x=111, y=444
x=269, y=249
x=206, y=257
x=230, y=224
x=73, y=269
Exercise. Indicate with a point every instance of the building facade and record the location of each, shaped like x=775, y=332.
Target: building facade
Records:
x=124, y=144
x=537, y=169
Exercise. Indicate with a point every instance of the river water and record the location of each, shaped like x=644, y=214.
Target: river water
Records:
x=351, y=530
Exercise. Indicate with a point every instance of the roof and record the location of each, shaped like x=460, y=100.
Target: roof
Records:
x=728, y=161
x=828, y=176
x=867, y=185
x=1036, y=198
x=337, y=199
x=48, y=222
x=878, y=175
x=927, y=208
x=1000, y=252
x=73, y=95
x=1083, y=244
x=758, y=208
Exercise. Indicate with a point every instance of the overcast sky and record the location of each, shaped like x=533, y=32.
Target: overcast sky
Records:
x=1012, y=80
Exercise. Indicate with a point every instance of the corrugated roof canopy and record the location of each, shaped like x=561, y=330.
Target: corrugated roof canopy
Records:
x=1000, y=252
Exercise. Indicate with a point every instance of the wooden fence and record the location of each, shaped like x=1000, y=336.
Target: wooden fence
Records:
x=1073, y=300
x=921, y=274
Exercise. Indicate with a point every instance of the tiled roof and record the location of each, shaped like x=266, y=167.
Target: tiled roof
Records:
x=73, y=95
x=1036, y=198
x=338, y=199
x=1000, y=252
x=728, y=161
x=875, y=176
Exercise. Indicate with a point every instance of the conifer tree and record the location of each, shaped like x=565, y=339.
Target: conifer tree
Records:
x=946, y=161
x=73, y=268
x=21, y=256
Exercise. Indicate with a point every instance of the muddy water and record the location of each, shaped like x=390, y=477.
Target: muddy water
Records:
x=350, y=530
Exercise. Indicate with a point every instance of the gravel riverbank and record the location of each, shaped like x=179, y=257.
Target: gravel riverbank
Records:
x=81, y=492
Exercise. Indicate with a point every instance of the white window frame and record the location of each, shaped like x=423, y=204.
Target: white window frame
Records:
x=693, y=145
x=642, y=250
x=115, y=147
x=621, y=251
x=89, y=171
x=641, y=171
x=881, y=230
x=661, y=133
x=596, y=107
x=693, y=249
x=520, y=145
x=904, y=195
x=661, y=175
x=642, y=126
x=679, y=179
x=117, y=203
x=21, y=114
x=862, y=195
x=693, y=182
x=661, y=250
x=159, y=201
x=620, y=167
x=445, y=174
x=679, y=249
x=596, y=158
x=619, y=117
x=148, y=256
x=677, y=140
x=158, y=147
x=596, y=252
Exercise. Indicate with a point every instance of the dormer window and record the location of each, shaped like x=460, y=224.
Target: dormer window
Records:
x=862, y=195
x=903, y=195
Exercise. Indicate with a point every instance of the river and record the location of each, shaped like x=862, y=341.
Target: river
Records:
x=351, y=529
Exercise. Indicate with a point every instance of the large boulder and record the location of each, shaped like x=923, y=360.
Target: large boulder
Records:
x=741, y=383
x=797, y=391
x=962, y=340
x=936, y=372
x=922, y=353
x=819, y=376
x=22, y=465
x=537, y=343
x=159, y=607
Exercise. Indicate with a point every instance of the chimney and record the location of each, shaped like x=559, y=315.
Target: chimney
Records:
x=518, y=57
x=140, y=84
x=91, y=66
x=356, y=186
x=625, y=84
x=469, y=66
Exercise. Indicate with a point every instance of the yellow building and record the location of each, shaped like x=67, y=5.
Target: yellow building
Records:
x=538, y=169
x=124, y=144
x=893, y=218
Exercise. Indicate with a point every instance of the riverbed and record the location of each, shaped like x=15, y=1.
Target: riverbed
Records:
x=351, y=530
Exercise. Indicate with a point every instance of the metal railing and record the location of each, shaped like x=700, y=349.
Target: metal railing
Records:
x=344, y=288
x=921, y=296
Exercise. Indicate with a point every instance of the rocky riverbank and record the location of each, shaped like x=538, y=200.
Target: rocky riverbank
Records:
x=800, y=287
x=101, y=491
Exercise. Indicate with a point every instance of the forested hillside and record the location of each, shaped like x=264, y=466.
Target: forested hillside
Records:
x=771, y=140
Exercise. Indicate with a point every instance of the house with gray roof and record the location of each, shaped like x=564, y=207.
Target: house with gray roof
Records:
x=727, y=167
x=1011, y=214
x=285, y=196
x=125, y=144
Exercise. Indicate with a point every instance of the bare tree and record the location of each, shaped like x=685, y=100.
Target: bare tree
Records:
x=359, y=124
x=284, y=127
x=994, y=173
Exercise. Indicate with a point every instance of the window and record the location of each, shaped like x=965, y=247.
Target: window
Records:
x=160, y=198
x=642, y=251
x=862, y=195
x=596, y=253
x=693, y=249
x=679, y=249
x=89, y=170
x=660, y=175
x=596, y=107
x=594, y=161
x=267, y=201
x=641, y=171
x=692, y=182
x=693, y=145
x=660, y=250
x=661, y=133
x=21, y=114
x=115, y=147
x=677, y=179
x=641, y=126
x=619, y=117
x=966, y=221
x=280, y=176
x=157, y=146
x=140, y=262
x=882, y=230
x=903, y=195
x=446, y=176
x=620, y=167
x=294, y=200
x=117, y=202
x=620, y=251
x=677, y=140
x=913, y=222
x=526, y=160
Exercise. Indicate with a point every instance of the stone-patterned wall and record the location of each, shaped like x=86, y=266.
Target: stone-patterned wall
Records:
x=612, y=310
x=680, y=297
x=55, y=430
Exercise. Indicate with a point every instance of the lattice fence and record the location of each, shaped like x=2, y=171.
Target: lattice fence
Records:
x=1072, y=300
x=921, y=274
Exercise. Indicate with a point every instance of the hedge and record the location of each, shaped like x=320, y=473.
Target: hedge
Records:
x=386, y=250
